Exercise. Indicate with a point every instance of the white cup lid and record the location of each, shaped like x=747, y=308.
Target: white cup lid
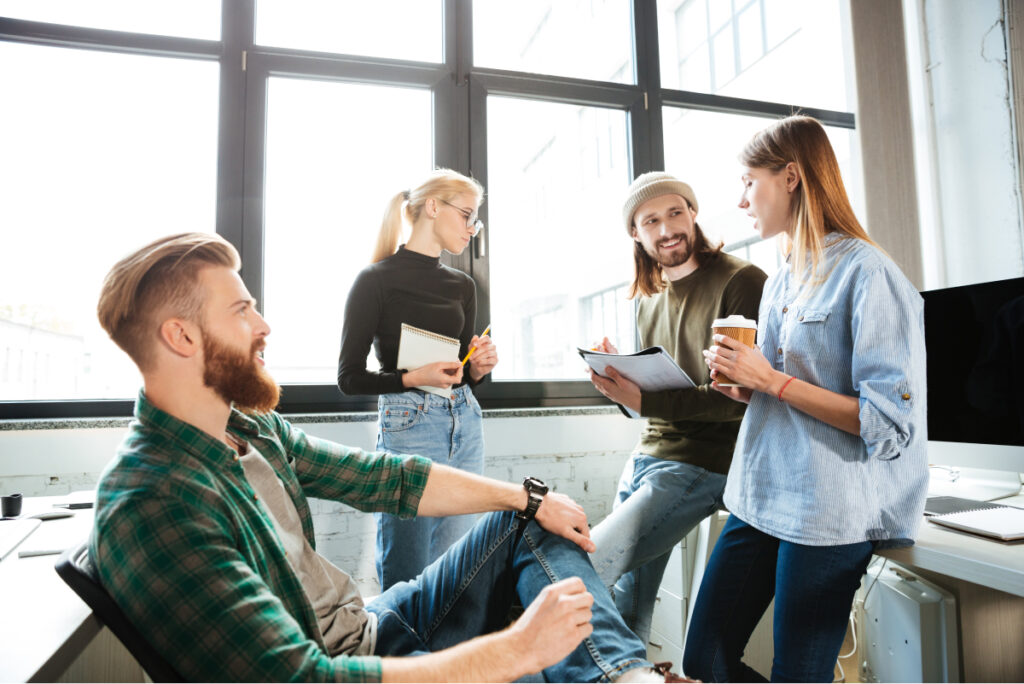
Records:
x=734, y=321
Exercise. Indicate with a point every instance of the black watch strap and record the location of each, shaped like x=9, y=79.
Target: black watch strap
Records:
x=535, y=491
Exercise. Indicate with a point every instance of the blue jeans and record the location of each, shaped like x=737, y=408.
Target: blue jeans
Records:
x=657, y=504
x=446, y=430
x=813, y=587
x=469, y=591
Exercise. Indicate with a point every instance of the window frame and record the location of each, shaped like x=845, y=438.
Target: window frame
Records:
x=459, y=95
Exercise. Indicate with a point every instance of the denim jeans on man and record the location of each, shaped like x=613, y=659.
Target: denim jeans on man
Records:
x=446, y=430
x=470, y=589
x=813, y=588
x=658, y=503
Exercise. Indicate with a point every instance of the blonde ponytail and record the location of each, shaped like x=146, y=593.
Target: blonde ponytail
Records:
x=443, y=184
x=390, y=228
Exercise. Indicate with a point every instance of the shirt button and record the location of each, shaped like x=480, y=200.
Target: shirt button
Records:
x=785, y=309
x=236, y=457
x=780, y=350
x=906, y=396
x=256, y=497
x=800, y=319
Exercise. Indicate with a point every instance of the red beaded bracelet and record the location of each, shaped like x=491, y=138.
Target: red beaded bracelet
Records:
x=784, y=386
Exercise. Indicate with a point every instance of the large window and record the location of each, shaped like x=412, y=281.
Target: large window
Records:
x=286, y=126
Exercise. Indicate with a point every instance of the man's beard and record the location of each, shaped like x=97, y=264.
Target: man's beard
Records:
x=237, y=377
x=676, y=257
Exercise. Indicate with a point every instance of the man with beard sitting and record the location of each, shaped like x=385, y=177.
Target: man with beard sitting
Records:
x=204, y=537
x=676, y=475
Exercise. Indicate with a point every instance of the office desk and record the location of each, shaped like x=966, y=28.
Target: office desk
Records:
x=47, y=633
x=987, y=579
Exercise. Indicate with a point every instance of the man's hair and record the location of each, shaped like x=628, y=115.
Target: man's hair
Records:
x=648, y=277
x=159, y=281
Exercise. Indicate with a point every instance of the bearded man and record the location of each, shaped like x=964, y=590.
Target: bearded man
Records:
x=204, y=537
x=675, y=476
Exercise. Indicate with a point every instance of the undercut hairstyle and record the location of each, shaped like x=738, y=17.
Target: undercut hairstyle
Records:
x=158, y=282
x=648, y=276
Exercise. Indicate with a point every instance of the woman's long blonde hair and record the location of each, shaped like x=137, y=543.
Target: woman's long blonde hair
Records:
x=820, y=205
x=442, y=184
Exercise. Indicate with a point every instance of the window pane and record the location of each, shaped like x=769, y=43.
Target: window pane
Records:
x=396, y=29
x=557, y=243
x=181, y=18
x=101, y=154
x=336, y=154
x=590, y=40
x=702, y=149
x=803, y=36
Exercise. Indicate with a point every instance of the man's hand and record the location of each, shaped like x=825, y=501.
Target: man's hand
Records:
x=617, y=387
x=484, y=359
x=440, y=374
x=553, y=625
x=560, y=515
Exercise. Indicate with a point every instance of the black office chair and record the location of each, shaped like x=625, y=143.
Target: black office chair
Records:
x=77, y=570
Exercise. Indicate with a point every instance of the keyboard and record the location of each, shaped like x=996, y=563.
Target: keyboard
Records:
x=13, y=532
x=942, y=505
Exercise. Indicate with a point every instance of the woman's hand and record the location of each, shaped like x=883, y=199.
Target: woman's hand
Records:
x=745, y=365
x=484, y=359
x=441, y=374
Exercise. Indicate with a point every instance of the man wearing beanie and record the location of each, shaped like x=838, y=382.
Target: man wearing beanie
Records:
x=676, y=474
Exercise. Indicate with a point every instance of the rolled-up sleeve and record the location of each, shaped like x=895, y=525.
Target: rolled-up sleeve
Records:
x=888, y=367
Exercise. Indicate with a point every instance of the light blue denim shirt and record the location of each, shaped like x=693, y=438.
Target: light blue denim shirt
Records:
x=859, y=333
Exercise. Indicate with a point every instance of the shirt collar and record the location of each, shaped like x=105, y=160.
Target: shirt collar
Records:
x=191, y=439
x=416, y=257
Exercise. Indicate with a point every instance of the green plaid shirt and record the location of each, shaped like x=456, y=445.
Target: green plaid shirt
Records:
x=191, y=556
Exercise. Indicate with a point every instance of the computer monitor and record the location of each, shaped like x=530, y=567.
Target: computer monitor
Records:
x=974, y=337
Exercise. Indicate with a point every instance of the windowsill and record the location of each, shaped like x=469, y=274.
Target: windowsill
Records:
x=304, y=418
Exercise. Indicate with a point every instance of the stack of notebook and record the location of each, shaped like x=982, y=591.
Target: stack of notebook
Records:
x=997, y=521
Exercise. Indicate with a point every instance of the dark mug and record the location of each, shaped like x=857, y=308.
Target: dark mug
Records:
x=10, y=506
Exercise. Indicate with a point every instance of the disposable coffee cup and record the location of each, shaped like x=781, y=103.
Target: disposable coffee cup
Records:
x=10, y=506
x=738, y=328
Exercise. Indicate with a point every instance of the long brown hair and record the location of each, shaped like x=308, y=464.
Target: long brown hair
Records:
x=648, y=276
x=820, y=205
x=442, y=184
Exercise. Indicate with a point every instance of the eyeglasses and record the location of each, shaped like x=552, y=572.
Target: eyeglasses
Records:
x=476, y=224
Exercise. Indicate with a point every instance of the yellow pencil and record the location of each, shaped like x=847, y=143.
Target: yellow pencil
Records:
x=473, y=348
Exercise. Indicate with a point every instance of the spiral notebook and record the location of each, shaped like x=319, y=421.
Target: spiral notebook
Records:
x=1005, y=523
x=418, y=347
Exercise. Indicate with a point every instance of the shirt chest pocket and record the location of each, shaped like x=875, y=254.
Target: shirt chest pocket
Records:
x=808, y=331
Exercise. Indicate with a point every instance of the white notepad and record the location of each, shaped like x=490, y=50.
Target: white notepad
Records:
x=652, y=369
x=418, y=347
x=1005, y=523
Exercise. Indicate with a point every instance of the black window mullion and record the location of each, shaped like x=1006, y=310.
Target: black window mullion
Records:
x=736, y=105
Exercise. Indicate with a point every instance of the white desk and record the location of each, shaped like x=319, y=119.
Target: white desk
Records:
x=987, y=578
x=45, y=626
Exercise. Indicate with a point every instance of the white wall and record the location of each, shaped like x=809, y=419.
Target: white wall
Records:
x=968, y=170
x=580, y=455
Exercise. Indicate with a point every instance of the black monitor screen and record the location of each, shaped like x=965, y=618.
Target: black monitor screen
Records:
x=974, y=336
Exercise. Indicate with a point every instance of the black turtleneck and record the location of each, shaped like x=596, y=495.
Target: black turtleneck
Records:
x=406, y=287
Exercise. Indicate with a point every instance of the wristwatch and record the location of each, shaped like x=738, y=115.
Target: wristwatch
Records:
x=535, y=491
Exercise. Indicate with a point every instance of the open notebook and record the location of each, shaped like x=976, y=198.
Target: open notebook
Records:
x=418, y=347
x=1005, y=523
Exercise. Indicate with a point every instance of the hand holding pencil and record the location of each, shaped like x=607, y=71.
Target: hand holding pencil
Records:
x=483, y=353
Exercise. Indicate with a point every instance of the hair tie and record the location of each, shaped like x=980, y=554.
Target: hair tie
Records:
x=405, y=195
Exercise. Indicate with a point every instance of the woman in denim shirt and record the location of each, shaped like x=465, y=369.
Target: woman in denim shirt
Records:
x=830, y=462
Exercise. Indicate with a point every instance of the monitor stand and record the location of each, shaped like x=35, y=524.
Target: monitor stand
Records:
x=973, y=483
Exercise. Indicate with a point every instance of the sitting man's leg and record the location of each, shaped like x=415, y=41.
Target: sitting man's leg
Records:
x=470, y=589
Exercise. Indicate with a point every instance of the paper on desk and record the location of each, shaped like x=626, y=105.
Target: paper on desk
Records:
x=652, y=369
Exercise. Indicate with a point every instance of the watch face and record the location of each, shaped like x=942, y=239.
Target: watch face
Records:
x=532, y=484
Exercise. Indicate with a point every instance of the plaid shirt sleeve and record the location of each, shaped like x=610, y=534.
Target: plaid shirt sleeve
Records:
x=369, y=481
x=171, y=563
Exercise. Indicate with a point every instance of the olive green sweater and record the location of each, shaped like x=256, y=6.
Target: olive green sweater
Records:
x=696, y=425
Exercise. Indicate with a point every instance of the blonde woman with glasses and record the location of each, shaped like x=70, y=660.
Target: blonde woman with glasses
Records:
x=409, y=284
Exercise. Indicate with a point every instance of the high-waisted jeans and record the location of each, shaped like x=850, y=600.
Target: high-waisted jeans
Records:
x=446, y=430
x=470, y=590
x=657, y=504
x=813, y=588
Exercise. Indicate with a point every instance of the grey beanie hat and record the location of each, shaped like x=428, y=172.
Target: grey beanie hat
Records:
x=653, y=184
